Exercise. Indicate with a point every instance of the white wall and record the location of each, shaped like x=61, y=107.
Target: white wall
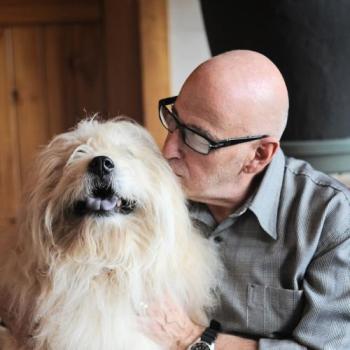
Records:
x=188, y=44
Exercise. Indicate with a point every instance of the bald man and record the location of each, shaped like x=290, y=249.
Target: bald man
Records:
x=281, y=227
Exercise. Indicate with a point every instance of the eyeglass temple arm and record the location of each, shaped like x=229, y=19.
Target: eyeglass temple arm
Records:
x=235, y=141
x=167, y=101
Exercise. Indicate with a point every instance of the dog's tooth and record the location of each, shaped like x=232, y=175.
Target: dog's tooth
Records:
x=108, y=203
x=93, y=203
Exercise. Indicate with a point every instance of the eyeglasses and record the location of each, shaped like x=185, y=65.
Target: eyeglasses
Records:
x=192, y=138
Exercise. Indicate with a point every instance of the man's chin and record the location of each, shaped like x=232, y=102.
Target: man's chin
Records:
x=189, y=194
x=192, y=194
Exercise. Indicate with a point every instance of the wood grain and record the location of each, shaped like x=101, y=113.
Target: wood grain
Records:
x=10, y=184
x=155, y=62
x=123, y=70
x=32, y=110
x=48, y=11
x=75, y=74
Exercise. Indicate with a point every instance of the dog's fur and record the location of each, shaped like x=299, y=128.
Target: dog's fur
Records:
x=78, y=279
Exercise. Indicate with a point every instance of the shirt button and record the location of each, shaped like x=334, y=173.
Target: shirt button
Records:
x=217, y=239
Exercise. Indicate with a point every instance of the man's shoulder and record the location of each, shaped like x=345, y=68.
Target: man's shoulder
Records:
x=304, y=178
x=318, y=202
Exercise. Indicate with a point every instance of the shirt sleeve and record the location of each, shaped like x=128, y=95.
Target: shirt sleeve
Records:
x=325, y=323
x=273, y=344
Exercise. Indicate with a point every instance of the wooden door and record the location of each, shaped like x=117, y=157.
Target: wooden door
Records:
x=51, y=75
x=9, y=150
x=61, y=60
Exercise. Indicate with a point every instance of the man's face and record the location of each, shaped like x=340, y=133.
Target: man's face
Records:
x=205, y=178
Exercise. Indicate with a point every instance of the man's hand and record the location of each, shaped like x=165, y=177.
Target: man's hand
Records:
x=169, y=325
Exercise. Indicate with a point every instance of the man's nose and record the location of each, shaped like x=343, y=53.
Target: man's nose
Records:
x=171, y=147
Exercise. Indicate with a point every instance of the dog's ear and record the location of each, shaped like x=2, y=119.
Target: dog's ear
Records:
x=49, y=163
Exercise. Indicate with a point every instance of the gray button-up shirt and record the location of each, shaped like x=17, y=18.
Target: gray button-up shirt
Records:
x=286, y=254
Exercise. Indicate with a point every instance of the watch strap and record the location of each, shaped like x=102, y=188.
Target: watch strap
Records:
x=210, y=333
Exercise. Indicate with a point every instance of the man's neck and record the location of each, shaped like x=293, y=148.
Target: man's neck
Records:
x=220, y=213
x=222, y=208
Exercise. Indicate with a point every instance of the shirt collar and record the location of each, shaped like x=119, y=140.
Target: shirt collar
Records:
x=265, y=203
x=202, y=217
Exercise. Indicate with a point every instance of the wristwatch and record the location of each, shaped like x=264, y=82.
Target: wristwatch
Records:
x=207, y=339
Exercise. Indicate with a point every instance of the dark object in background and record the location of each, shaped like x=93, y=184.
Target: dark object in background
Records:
x=309, y=41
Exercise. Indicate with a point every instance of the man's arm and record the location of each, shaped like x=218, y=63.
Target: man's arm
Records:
x=325, y=322
x=229, y=342
x=170, y=326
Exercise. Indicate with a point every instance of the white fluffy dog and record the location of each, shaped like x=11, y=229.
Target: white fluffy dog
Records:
x=105, y=230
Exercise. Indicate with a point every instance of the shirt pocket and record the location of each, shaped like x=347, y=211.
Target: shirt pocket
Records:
x=273, y=312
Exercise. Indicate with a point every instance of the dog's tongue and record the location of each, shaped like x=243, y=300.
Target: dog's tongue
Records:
x=95, y=203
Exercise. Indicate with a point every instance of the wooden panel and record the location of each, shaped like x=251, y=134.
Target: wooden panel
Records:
x=49, y=74
x=59, y=78
x=88, y=70
x=9, y=164
x=155, y=62
x=31, y=91
x=75, y=72
x=46, y=11
x=123, y=72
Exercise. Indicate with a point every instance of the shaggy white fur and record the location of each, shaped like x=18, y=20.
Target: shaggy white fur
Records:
x=93, y=247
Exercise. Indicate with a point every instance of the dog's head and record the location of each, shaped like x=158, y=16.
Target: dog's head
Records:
x=100, y=184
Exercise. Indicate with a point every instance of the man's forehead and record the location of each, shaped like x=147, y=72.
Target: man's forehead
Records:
x=210, y=118
x=195, y=123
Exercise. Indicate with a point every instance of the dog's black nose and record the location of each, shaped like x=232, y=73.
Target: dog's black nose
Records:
x=101, y=166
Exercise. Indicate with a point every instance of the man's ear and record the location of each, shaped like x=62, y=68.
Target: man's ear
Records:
x=263, y=155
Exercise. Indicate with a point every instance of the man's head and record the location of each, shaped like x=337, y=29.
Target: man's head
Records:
x=236, y=94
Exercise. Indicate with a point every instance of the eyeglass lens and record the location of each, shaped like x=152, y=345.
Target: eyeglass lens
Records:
x=168, y=119
x=191, y=139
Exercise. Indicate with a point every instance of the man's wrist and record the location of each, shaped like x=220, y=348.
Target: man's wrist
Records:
x=193, y=335
x=229, y=342
x=207, y=337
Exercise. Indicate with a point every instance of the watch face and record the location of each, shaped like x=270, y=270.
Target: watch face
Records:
x=200, y=346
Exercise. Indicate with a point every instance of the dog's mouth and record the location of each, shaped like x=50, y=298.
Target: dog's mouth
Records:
x=104, y=202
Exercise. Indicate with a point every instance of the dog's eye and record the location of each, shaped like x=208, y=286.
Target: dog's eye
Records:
x=79, y=152
x=82, y=149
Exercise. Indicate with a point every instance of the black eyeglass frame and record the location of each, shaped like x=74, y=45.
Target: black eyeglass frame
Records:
x=213, y=145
